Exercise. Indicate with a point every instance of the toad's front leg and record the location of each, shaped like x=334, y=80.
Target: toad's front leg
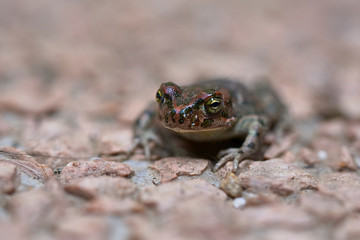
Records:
x=144, y=132
x=255, y=128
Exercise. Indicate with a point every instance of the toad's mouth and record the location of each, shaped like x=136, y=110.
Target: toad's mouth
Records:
x=202, y=134
x=196, y=129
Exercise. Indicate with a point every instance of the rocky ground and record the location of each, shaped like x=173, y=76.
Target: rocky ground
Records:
x=74, y=76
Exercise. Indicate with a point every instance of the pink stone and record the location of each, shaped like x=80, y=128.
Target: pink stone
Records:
x=171, y=168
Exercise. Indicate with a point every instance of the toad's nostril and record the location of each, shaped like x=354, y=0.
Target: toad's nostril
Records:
x=195, y=120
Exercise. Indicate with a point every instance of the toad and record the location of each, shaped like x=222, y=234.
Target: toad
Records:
x=213, y=111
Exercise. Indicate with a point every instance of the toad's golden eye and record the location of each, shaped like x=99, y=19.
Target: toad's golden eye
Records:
x=159, y=97
x=213, y=105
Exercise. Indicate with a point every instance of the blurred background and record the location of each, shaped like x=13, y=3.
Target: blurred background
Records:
x=106, y=59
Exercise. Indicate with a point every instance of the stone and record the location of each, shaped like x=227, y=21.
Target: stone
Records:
x=171, y=168
x=82, y=227
x=345, y=186
x=106, y=205
x=115, y=141
x=349, y=228
x=37, y=208
x=231, y=185
x=91, y=187
x=167, y=195
x=277, y=214
x=325, y=207
x=329, y=152
x=13, y=230
x=276, y=149
x=96, y=167
x=9, y=179
x=260, y=198
x=239, y=202
x=26, y=164
x=277, y=176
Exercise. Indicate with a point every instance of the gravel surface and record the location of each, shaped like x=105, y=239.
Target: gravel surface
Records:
x=74, y=76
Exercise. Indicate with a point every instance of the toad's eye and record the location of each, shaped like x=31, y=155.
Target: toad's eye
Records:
x=159, y=97
x=213, y=105
x=162, y=97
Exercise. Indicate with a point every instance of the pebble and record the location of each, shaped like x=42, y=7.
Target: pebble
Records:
x=239, y=202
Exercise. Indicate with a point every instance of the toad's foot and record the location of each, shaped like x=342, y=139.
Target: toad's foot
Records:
x=256, y=129
x=144, y=133
x=225, y=152
x=144, y=141
x=232, y=154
